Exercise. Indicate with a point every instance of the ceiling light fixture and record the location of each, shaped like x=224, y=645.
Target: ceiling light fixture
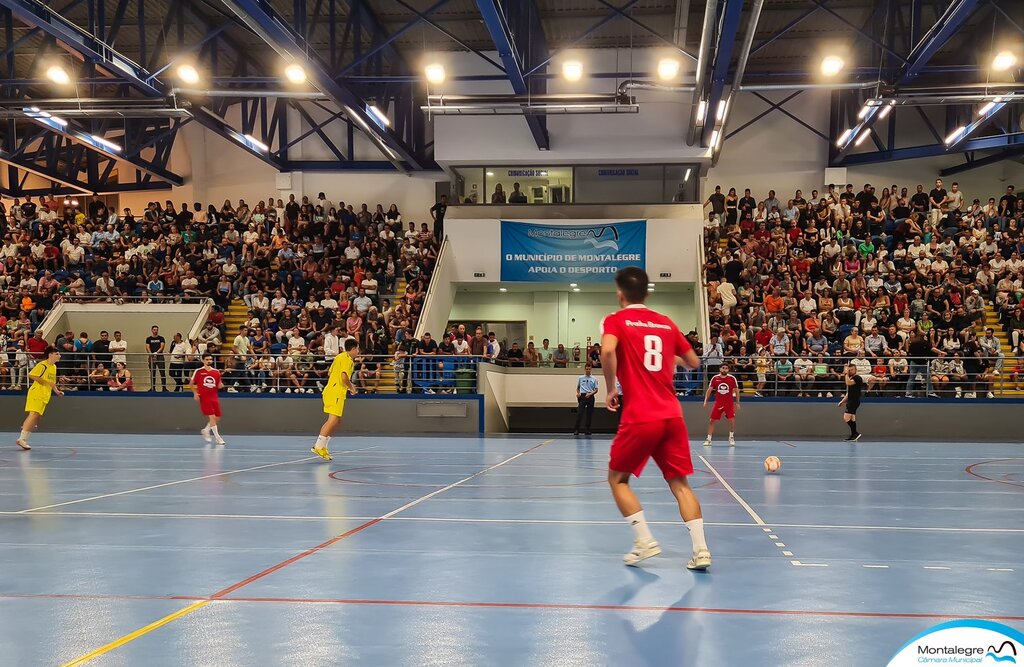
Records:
x=1003, y=61
x=955, y=134
x=188, y=74
x=295, y=73
x=668, y=69
x=862, y=138
x=58, y=75
x=572, y=70
x=435, y=73
x=105, y=142
x=832, y=65
x=379, y=115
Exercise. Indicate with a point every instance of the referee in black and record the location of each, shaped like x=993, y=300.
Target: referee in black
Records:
x=854, y=386
x=586, y=390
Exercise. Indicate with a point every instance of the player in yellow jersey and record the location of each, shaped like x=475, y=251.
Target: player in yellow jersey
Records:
x=42, y=382
x=339, y=383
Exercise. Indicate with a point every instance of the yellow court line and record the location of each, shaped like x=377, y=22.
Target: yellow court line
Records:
x=138, y=633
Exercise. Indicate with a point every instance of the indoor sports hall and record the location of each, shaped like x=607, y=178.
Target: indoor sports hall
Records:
x=511, y=332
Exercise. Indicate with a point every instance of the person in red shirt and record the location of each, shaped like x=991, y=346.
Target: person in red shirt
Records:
x=727, y=401
x=641, y=348
x=206, y=382
x=36, y=345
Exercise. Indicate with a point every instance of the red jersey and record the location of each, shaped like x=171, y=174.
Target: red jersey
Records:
x=723, y=387
x=648, y=343
x=206, y=382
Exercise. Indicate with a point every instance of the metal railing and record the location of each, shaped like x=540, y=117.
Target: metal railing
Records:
x=884, y=375
x=295, y=372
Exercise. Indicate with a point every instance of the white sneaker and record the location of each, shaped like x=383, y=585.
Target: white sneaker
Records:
x=641, y=551
x=272, y=391
x=990, y=395
x=319, y=385
x=707, y=441
x=700, y=561
x=971, y=394
x=828, y=395
x=732, y=441
x=288, y=390
x=232, y=390
x=206, y=435
x=220, y=441
x=819, y=394
x=959, y=392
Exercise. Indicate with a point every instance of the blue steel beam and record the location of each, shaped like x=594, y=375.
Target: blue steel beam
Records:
x=947, y=25
x=995, y=158
x=515, y=60
x=265, y=22
x=38, y=15
x=932, y=150
x=728, y=35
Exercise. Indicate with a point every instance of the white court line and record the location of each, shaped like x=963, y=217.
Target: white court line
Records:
x=1000, y=569
x=773, y=537
x=584, y=522
x=878, y=567
x=787, y=553
x=936, y=567
x=180, y=481
x=732, y=492
x=779, y=544
x=799, y=564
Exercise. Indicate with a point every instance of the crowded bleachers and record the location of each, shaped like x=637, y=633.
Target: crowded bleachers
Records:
x=289, y=280
x=922, y=290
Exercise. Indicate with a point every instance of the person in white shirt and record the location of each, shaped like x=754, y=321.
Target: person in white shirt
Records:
x=209, y=334
x=332, y=343
x=369, y=285
x=259, y=302
x=118, y=347
x=362, y=302
x=278, y=303
x=329, y=302
x=352, y=252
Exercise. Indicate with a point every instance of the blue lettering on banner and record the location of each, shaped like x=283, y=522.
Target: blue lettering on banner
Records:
x=570, y=253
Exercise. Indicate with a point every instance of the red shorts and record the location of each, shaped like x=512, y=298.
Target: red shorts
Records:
x=210, y=405
x=665, y=440
x=727, y=408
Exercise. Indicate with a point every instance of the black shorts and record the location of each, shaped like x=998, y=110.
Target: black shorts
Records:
x=852, y=407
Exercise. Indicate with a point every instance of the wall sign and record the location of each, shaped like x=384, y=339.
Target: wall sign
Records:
x=571, y=253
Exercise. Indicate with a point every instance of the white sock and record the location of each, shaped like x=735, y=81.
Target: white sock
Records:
x=321, y=441
x=216, y=433
x=24, y=435
x=639, y=525
x=696, y=528
x=732, y=434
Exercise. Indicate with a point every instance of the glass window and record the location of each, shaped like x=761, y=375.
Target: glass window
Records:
x=681, y=184
x=468, y=185
x=529, y=185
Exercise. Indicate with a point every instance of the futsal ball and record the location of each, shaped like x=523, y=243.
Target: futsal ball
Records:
x=772, y=464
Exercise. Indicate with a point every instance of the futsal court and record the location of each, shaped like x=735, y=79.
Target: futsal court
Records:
x=160, y=550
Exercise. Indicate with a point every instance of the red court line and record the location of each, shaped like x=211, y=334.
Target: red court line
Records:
x=334, y=540
x=522, y=605
x=970, y=471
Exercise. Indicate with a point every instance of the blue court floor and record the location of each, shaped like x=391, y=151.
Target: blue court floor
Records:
x=160, y=550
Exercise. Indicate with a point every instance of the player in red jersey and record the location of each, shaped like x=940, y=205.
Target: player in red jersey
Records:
x=727, y=402
x=641, y=348
x=206, y=383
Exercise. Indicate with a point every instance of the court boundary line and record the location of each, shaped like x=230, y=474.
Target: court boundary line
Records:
x=595, y=522
x=180, y=481
x=728, y=487
x=221, y=594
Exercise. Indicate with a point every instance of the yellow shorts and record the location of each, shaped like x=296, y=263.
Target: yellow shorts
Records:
x=335, y=407
x=35, y=405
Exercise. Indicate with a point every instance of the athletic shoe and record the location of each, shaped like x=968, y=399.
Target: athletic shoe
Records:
x=819, y=394
x=932, y=394
x=641, y=551
x=828, y=395
x=323, y=453
x=758, y=394
x=232, y=390
x=971, y=394
x=700, y=561
x=959, y=392
x=272, y=390
x=707, y=441
x=732, y=441
x=220, y=441
x=856, y=437
x=206, y=435
x=319, y=385
x=23, y=444
x=288, y=390
x=990, y=395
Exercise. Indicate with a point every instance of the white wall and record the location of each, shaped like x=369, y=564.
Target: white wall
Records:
x=564, y=317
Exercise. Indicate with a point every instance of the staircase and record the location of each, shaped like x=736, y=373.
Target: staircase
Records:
x=237, y=314
x=1002, y=387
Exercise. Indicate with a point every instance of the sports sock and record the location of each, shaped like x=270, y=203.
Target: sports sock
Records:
x=853, y=427
x=732, y=434
x=696, y=528
x=639, y=525
x=24, y=435
x=216, y=433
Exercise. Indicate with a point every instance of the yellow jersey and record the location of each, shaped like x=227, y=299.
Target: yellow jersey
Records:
x=37, y=391
x=336, y=389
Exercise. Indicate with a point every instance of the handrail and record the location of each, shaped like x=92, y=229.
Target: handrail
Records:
x=421, y=325
x=703, y=314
